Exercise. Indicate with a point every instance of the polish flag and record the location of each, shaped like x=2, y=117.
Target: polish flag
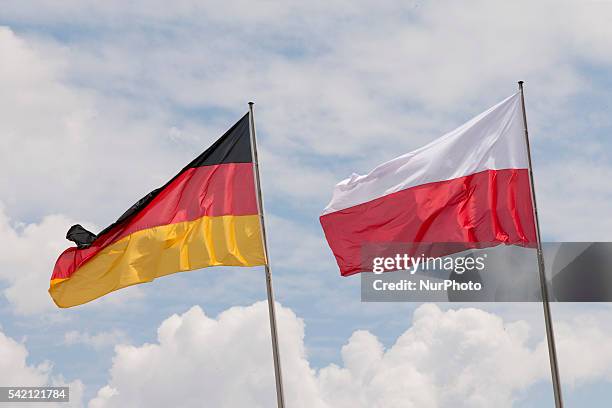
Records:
x=470, y=186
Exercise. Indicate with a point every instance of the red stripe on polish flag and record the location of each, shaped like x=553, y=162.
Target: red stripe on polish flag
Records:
x=489, y=207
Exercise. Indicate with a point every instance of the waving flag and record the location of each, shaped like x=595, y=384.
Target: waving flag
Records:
x=470, y=186
x=207, y=215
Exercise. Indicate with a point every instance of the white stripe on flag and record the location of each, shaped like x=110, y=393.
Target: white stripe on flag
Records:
x=493, y=140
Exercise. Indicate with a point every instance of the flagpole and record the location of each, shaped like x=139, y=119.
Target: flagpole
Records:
x=280, y=399
x=550, y=335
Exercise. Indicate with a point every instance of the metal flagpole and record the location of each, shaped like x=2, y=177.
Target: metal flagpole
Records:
x=550, y=335
x=280, y=399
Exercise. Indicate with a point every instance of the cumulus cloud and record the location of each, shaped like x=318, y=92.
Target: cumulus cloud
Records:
x=459, y=358
x=222, y=362
x=451, y=358
x=15, y=371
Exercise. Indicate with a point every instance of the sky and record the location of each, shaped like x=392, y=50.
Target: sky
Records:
x=102, y=102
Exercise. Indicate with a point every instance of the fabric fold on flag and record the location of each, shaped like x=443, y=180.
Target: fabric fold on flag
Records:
x=469, y=186
x=207, y=215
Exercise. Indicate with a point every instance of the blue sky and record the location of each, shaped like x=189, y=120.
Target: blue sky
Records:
x=102, y=101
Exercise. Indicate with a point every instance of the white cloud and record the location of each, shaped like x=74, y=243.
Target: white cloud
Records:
x=15, y=371
x=295, y=247
x=97, y=341
x=573, y=196
x=69, y=150
x=91, y=122
x=451, y=358
x=224, y=362
x=27, y=255
x=585, y=350
x=459, y=358
x=335, y=92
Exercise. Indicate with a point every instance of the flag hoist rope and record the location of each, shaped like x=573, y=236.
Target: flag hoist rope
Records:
x=550, y=335
x=280, y=400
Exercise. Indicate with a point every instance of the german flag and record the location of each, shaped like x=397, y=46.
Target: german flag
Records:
x=207, y=215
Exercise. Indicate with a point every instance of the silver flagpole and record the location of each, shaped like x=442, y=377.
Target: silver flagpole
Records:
x=280, y=399
x=550, y=335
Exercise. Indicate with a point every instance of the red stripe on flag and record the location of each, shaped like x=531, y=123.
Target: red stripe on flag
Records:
x=222, y=189
x=492, y=206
